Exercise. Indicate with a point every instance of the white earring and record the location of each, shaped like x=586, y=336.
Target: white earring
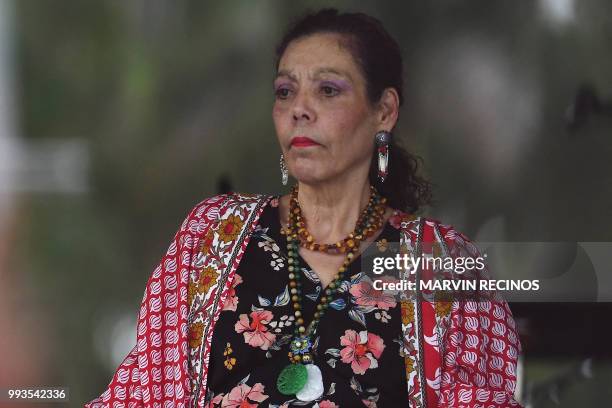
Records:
x=284, y=170
x=383, y=139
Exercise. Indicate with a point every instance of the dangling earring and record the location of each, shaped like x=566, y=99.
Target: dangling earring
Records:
x=284, y=170
x=383, y=139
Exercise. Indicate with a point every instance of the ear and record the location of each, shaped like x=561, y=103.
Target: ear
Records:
x=388, y=109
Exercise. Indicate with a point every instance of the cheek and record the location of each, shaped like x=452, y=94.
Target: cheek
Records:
x=279, y=117
x=350, y=128
x=354, y=138
x=276, y=114
x=277, y=109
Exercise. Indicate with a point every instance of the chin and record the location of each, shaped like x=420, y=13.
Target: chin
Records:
x=309, y=175
x=307, y=170
x=308, y=178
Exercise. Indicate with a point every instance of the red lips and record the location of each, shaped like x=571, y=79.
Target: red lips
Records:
x=302, y=141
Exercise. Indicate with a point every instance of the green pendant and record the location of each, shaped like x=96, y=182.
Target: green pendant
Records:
x=292, y=379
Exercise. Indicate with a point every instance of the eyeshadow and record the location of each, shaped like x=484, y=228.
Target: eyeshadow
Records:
x=340, y=84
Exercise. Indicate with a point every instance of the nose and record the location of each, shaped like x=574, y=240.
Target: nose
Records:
x=302, y=111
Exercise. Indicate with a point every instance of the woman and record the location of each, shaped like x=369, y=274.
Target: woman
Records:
x=260, y=301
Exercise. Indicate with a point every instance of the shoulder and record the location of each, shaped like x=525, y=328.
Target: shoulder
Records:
x=458, y=243
x=432, y=230
x=211, y=209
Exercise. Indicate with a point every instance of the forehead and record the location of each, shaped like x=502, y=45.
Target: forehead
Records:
x=318, y=54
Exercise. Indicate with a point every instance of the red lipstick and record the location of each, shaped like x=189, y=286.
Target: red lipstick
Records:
x=302, y=141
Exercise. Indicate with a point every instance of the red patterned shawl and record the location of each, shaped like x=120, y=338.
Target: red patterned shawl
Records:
x=463, y=353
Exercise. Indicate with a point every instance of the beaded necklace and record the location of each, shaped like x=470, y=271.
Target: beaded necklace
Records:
x=302, y=377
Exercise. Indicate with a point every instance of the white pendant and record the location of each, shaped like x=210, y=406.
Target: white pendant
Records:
x=313, y=388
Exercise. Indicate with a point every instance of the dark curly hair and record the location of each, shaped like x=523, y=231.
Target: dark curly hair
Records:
x=379, y=58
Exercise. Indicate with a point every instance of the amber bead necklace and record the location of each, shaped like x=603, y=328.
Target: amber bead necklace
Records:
x=302, y=377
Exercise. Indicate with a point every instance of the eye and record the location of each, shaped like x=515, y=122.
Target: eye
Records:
x=282, y=93
x=329, y=90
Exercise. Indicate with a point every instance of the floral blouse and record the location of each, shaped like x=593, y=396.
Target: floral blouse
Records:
x=358, y=344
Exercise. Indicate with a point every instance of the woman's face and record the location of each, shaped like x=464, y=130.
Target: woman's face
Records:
x=324, y=122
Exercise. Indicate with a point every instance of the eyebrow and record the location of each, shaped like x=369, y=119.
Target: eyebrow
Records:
x=318, y=72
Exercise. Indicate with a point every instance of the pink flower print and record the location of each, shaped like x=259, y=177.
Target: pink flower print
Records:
x=215, y=401
x=327, y=404
x=232, y=300
x=395, y=220
x=362, y=350
x=398, y=217
x=366, y=295
x=256, y=332
x=368, y=403
x=241, y=395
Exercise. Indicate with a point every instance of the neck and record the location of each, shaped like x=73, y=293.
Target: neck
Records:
x=331, y=210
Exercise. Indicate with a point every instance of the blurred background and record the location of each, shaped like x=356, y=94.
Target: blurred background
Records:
x=117, y=117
